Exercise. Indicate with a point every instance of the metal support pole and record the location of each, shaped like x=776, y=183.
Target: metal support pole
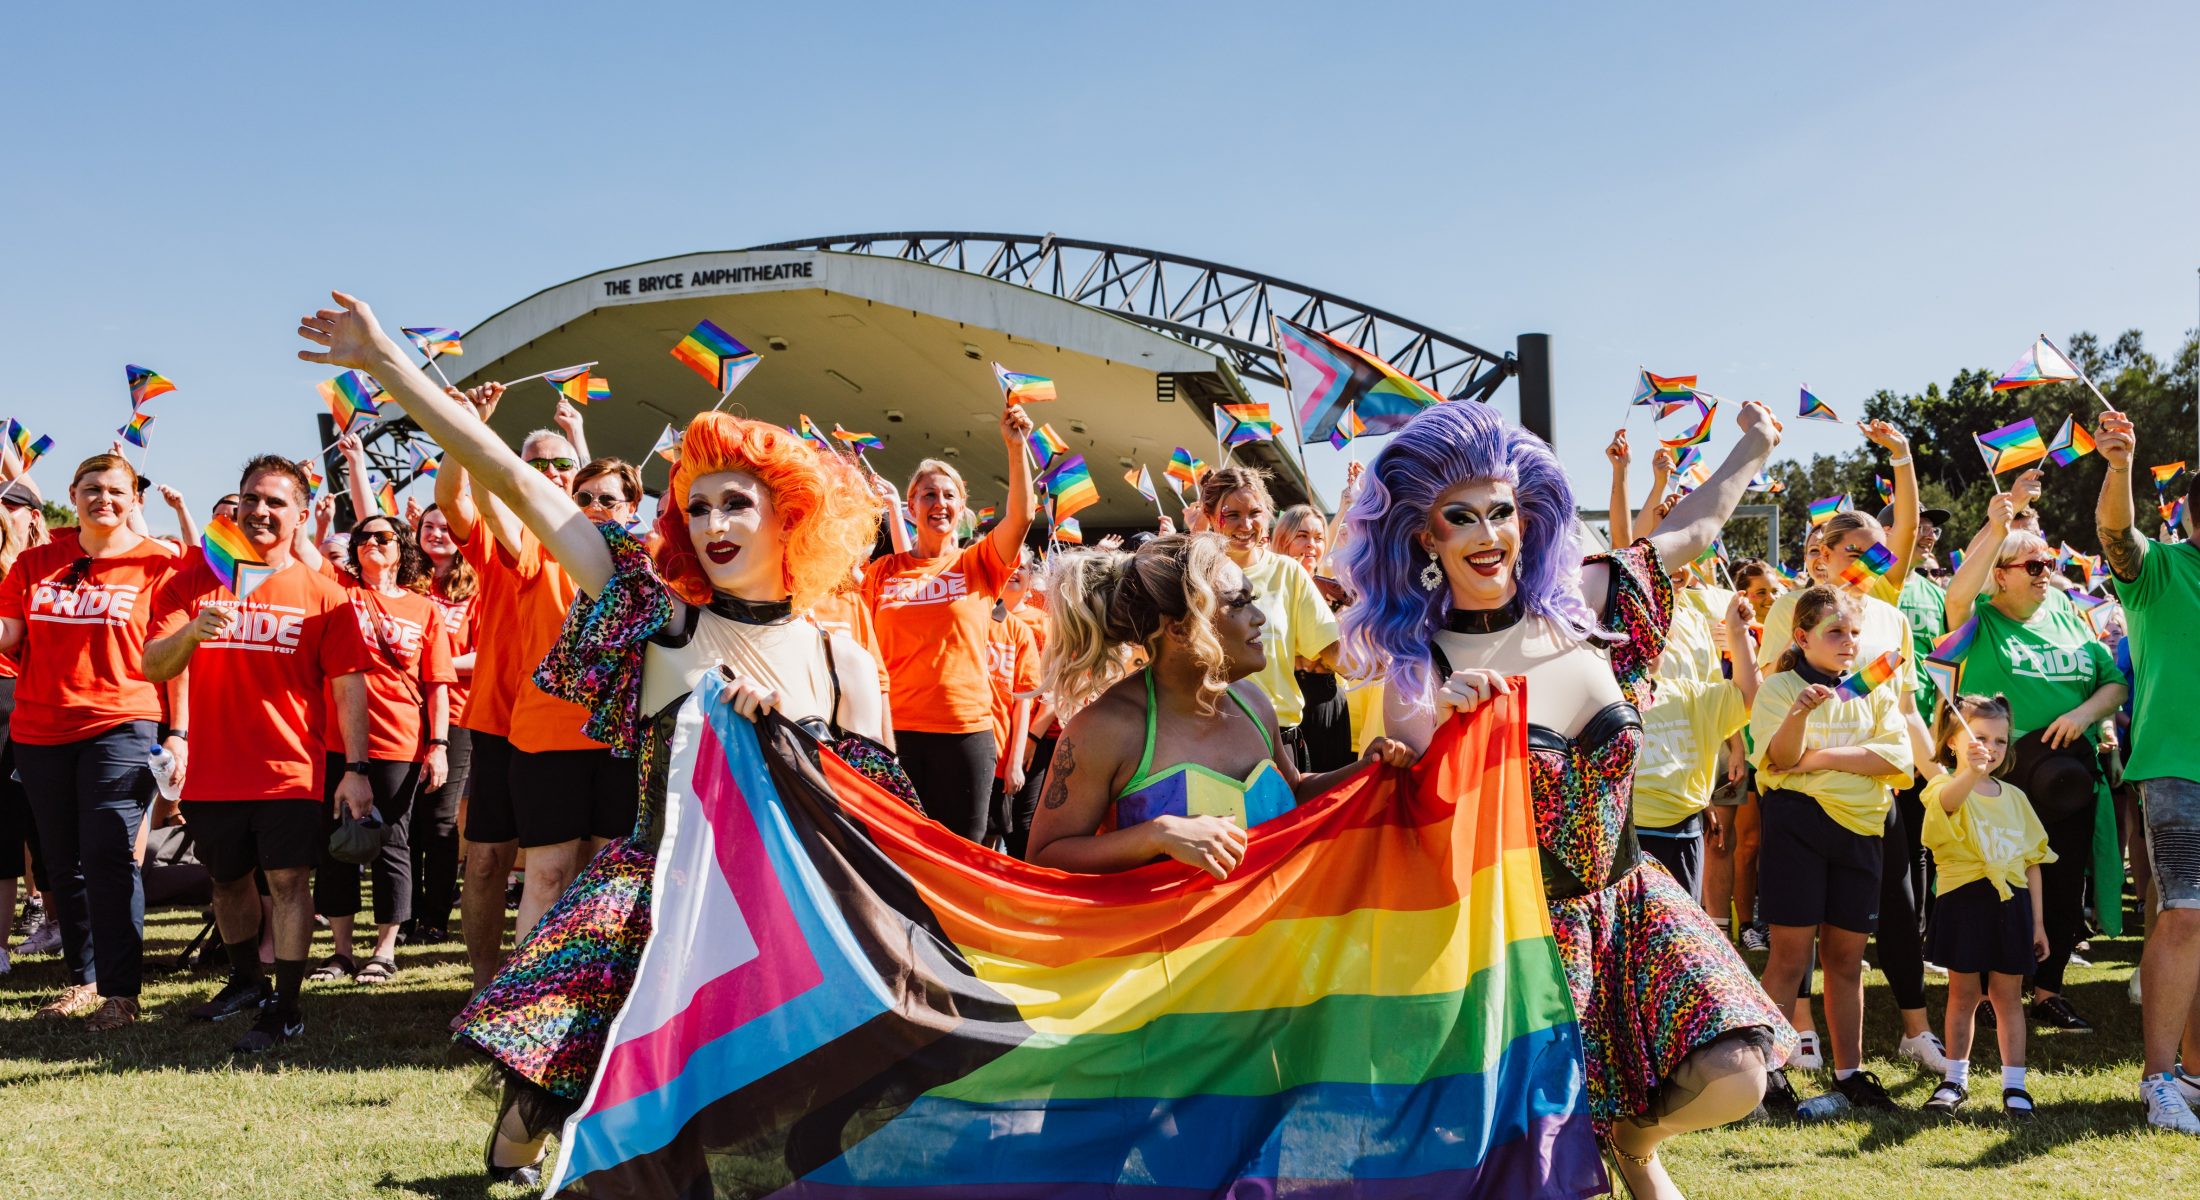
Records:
x=334, y=471
x=1534, y=355
x=1771, y=514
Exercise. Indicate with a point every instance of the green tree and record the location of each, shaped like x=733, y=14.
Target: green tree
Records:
x=58, y=515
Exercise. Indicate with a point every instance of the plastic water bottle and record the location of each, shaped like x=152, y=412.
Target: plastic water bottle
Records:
x=164, y=772
x=1819, y=1108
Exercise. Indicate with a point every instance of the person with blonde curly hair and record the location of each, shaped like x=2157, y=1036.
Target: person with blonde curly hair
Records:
x=1157, y=765
x=755, y=528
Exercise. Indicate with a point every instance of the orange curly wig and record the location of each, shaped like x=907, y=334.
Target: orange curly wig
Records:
x=831, y=518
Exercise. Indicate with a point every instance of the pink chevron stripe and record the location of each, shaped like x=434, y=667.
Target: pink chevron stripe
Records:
x=783, y=967
x=1329, y=375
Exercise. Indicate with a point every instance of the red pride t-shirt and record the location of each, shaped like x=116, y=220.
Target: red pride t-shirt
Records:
x=256, y=692
x=409, y=651
x=82, y=644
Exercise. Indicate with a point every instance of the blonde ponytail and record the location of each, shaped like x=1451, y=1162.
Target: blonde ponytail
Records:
x=1107, y=612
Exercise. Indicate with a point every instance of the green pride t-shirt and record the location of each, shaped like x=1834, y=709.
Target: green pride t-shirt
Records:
x=2046, y=666
x=2162, y=615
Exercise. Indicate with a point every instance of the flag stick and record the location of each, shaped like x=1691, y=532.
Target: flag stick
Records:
x=2082, y=376
x=439, y=373
x=539, y=374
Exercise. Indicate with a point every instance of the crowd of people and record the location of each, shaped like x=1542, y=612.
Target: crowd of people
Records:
x=483, y=685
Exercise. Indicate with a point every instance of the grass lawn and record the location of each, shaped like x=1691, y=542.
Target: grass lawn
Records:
x=370, y=1103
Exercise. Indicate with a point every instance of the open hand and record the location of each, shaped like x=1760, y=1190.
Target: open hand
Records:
x=2062, y=731
x=348, y=336
x=1215, y=845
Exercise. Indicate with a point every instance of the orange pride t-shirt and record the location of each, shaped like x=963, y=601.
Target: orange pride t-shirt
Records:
x=82, y=646
x=497, y=646
x=257, y=707
x=458, y=626
x=1011, y=666
x=541, y=721
x=405, y=641
x=933, y=618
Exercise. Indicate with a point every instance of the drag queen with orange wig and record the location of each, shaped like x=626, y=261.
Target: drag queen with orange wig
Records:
x=755, y=527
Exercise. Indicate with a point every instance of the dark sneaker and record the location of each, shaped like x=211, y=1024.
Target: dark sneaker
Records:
x=1947, y=1098
x=233, y=1000
x=1779, y=1095
x=2056, y=1013
x=1863, y=1090
x=271, y=1030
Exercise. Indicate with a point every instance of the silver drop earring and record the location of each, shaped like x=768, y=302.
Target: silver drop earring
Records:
x=1432, y=575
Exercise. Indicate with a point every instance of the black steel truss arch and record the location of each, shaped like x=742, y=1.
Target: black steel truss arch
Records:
x=1222, y=309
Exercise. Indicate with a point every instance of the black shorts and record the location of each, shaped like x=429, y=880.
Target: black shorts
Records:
x=1975, y=931
x=1811, y=870
x=489, y=791
x=235, y=837
x=568, y=795
x=1681, y=855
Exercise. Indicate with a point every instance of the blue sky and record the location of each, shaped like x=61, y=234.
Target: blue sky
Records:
x=1857, y=196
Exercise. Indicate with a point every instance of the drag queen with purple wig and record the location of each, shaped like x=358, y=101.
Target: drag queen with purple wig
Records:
x=1471, y=580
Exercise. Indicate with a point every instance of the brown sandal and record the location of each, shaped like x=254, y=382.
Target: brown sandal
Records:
x=117, y=1012
x=379, y=969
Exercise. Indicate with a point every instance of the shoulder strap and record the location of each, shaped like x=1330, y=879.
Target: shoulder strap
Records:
x=1258, y=724
x=1145, y=759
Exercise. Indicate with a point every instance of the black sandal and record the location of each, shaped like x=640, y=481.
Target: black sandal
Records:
x=379, y=969
x=338, y=966
x=2025, y=1112
x=1947, y=1098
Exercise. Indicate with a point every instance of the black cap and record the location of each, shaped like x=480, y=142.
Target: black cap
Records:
x=1938, y=516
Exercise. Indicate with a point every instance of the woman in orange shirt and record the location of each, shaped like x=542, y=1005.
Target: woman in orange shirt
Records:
x=434, y=833
x=932, y=606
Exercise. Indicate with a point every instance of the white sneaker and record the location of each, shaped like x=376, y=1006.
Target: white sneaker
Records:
x=46, y=939
x=1807, y=1057
x=2166, y=1106
x=1925, y=1049
x=2188, y=1086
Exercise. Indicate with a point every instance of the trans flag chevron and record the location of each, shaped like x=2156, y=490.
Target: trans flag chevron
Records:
x=843, y=1000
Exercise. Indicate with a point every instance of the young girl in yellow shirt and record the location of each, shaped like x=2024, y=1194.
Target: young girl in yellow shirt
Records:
x=1987, y=846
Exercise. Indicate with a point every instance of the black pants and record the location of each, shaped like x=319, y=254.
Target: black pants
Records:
x=1680, y=849
x=953, y=774
x=1325, y=727
x=1024, y=804
x=434, y=837
x=90, y=797
x=1899, y=945
x=2062, y=894
x=336, y=884
x=18, y=827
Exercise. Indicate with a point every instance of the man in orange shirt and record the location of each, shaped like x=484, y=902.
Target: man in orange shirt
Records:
x=258, y=669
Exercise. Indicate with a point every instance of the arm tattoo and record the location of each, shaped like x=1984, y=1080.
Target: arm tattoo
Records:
x=2124, y=549
x=1065, y=763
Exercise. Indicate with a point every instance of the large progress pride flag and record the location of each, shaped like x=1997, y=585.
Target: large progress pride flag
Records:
x=842, y=1000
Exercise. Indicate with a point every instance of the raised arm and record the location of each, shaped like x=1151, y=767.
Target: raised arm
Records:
x=1617, y=519
x=2121, y=543
x=1008, y=536
x=1741, y=648
x=350, y=337
x=1646, y=520
x=1978, y=560
x=1902, y=539
x=355, y=477
x=182, y=508
x=571, y=424
x=1702, y=513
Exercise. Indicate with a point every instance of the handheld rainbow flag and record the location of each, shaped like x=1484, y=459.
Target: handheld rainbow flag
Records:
x=2071, y=443
x=385, y=498
x=2166, y=472
x=1237, y=424
x=859, y=442
x=716, y=355
x=1875, y=561
x=1019, y=388
x=1071, y=485
x=809, y=432
x=1067, y=530
x=1823, y=508
x=1184, y=469
x=1688, y=458
x=1955, y=560
x=350, y=398
x=1695, y=477
x=1142, y=479
x=314, y=480
x=599, y=388
x=1814, y=409
x=134, y=432
x=570, y=382
x=2012, y=446
x=145, y=384
x=28, y=448
x=1698, y=435
x=2042, y=363
x=1328, y=376
x=987, y=513
x=1946, y=678
x=1047, y=445
x=1662, y=390
x=1793, y=576
x=1146, y=1034
x=433, y=341
x=1869, y=676
x=1763, y=481
x=1348, y=427
x=668, y=445
x=423, y=463
x=1953, y=645
x=232, y=559
x=1885, y=487
x=2173, y=511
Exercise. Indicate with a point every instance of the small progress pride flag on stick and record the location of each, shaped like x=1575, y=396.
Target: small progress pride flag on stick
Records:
x=1874, y=562
x=145, y=384
x=1814, y=409
x=350, y=398
x=232, y=559
x=2012, y=446
x=134, y=432
x=717, y=356
x=1019, y=388
x=1823, y=508
x=1869, y=676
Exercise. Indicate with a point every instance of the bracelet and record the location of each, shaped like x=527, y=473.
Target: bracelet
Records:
x=181, y=735
x=1899, y=462
x=442, y=741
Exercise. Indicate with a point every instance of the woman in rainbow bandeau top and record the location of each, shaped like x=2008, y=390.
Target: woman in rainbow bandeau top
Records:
x=1168, y=754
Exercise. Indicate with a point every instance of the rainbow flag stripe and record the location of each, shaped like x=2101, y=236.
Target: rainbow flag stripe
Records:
x=1184, y=469
x=226, y=550
x=1698, y=435
x=1763, y=481
x=1946, y=678
x=571, y=382
x=1348, y=427
x=1869, y=676
x=1885, y=487
x=385, y=498
x=1019, y=388
x=809, y=432
x=1067, y=530
x=2166, y=472
x=2043, y=363
x=2071, y=443
x=1953, y=645
x=1875, y=561
x=2012, y=446
x=1237, y=424
x=134, y=432
x=350, y=398
x=434, y=341
x=859, y=441
x=1071, y=485
x=1663, y=389
x=1814, y=409
x=1370, y=1006
x=1823, y=508
x=1046, y=445
x=2173, y=511
x=716, y=355
x=599, y=388
x=28, y=447
x=145, y=384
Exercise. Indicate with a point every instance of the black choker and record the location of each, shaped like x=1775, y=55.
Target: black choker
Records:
x=752, y=612
x=1484, y=620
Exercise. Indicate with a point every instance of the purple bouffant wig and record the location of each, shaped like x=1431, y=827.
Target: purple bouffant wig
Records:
x=1387, y=629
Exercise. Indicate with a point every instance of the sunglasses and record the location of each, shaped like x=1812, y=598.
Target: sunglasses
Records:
x=2034, y=567
x=547, y=465
x=15, y=503
x=380, y=537
x=605, y=500
x=78, y=572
